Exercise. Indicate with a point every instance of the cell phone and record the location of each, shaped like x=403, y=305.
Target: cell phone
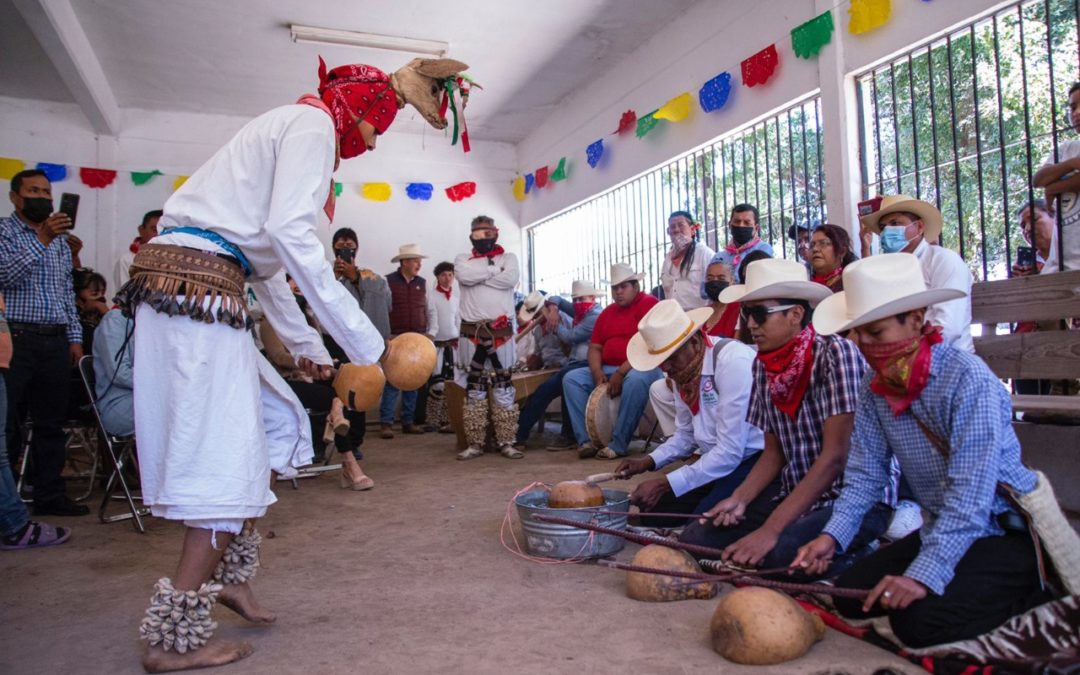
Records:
x=1025, y=256
x=69, y=205
x=345, y=254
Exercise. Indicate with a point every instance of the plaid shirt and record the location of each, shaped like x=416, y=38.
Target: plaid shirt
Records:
x=35, y=280
x=834, y=384
x=965, y=404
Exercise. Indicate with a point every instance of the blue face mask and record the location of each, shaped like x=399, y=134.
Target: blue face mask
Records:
x=893, y=239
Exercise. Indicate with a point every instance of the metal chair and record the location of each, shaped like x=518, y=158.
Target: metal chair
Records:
x=120, y=450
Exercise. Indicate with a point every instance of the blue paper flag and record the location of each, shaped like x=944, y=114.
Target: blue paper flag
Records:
x=420, y=191
x=54, y=172
x=714, y=93
x=530, y=181
x=594, y=152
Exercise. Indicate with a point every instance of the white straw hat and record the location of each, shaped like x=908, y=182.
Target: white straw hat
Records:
x=773, y=279
x=621, y=273
x=662, y=330
x=531, y=306
x=875, y=288
x=581, y=288
x=408, y=251
x=926, y=212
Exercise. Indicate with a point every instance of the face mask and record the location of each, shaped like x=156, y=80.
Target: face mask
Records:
x=742, y=235
x=37, y=209
x=680, y=241
x=714, y=288
x=893, y=239
x=483, y=246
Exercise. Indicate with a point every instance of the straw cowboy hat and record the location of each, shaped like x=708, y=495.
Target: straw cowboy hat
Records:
x=621, y=273
x=581, y=288
x=531, y=306
x=773, y=279
x=875, y=288
x=926, y=212
x=408, y=251
x=662, y=330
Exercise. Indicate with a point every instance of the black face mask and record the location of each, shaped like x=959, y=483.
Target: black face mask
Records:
x=483, y=246
x=742, y=235
x=714, y=288
x=37, y=209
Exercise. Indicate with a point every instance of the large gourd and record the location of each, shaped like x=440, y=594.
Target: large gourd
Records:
x=410, y=361
x=359, y=387
x=575, y=494
x=662, y=588
x=759, y=626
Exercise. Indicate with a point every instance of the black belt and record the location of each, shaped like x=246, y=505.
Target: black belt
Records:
x=38, y=328
x=1011, y=521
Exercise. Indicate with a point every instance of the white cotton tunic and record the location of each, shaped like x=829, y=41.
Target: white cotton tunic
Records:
x=211, y=415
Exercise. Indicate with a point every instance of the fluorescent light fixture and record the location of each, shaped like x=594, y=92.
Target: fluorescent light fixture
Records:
x=330, y=36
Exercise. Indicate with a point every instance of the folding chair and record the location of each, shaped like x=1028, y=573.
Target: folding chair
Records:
x=120, y=450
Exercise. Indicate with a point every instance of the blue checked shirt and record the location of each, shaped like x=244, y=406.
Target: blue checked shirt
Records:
x=35, y=280
x=834, y=385
x=964, y=404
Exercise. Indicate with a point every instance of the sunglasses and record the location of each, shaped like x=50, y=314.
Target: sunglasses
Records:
x=760, y=313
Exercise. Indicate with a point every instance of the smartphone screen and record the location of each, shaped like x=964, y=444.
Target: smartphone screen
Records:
x=346, y=254
x=1025, y=256
x=69, y=205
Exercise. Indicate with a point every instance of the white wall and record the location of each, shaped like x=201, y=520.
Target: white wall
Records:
x=177, y=143
x=711, y=38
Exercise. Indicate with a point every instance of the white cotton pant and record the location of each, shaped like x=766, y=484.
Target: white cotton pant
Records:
x=663, y=403
x=502, y=396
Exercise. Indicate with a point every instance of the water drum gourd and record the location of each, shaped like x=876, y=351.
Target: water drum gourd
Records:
x=662, y=588
x=359, y=387
x=410, y=361
x=759, y=626
x=575, y=494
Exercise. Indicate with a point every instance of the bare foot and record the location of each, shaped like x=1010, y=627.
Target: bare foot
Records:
x=240, y=599
x=213, y=653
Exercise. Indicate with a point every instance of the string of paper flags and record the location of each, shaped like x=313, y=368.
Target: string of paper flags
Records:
x=103, y=178
x=807, y=41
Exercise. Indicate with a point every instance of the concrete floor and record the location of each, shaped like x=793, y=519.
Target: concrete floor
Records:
x=407, y=578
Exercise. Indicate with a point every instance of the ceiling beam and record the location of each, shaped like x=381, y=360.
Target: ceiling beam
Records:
x=60, y=34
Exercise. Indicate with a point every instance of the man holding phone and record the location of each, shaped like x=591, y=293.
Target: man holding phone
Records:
x=35, y=279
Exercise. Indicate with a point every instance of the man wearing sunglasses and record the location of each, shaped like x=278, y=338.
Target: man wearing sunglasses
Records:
x=803, y=399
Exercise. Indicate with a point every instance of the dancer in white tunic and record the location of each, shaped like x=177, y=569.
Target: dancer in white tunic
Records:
x=211, y=415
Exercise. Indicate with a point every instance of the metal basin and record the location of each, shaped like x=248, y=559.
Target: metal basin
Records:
x=562, y=541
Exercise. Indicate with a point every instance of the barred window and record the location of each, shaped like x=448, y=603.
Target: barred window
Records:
x=774, y=164
x=965, y=121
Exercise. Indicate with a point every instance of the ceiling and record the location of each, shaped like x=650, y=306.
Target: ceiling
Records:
x=236, y=58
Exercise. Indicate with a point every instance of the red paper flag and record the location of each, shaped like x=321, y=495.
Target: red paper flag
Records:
x=541, y=177
x=760, y=67
x=97, y=178
x=628, y=122
x=461, y=191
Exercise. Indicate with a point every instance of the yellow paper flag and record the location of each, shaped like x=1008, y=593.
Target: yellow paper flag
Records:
x=376, y=192
x=519, y=188
x=675, y=110
x=180, y=180
x=9, y=167
x=866, y=15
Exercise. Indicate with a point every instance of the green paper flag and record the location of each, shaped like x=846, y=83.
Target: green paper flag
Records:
x=809, y=38
x=560, y=171
x=645, y=124
x=144, y=177
x=338, y=187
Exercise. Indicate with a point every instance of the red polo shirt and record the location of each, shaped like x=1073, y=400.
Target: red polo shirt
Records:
x=616, y=325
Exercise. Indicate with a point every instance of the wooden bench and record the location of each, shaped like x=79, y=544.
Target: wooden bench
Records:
x=1046, y=355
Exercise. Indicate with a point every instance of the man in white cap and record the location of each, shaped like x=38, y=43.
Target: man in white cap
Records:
x=488, y=275
x=713, y=378
x=945, y=416
x=908, y=225
x=804, y=397
x=608, y=366
x=408, y=314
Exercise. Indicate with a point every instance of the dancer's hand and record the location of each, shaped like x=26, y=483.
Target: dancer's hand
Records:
x=895, y=593
x=315, y=370
x=814, y=558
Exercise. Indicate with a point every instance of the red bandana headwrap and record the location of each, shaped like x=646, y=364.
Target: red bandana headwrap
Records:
x=581, y=310
x=688, y=380
x=788, y=370
x=901, y=368
x=353, y=93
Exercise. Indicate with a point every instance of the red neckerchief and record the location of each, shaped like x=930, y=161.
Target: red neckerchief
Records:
x=135, y=244
x=902, y=368
x=726, y=324
x=831, y=279
x=330, y=204
x=688, y=381
x=788, y=370
x=738, y=251
x=444, y=291
x=497, y=250
x=581, y=310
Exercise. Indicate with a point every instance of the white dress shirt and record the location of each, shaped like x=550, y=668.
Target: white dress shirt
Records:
x=687, y=290
x=444, y=315
x=944, y=268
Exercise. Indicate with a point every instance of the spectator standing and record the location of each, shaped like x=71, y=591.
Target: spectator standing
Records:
x=444, y=326
x=745, y=232
x=370, y=289
x=1060, y=176
x=683, y=271
x=147, y=230
x=408, y=314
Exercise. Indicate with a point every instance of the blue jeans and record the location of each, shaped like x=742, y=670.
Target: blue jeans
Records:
x=13, y=514
x=389, y=402
x=540, y=399
x=578, y=385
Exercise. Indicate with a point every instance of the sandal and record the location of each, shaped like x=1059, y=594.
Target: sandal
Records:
x=470, y=452
x=607, y=453
x=35, y=535
x=510, y=452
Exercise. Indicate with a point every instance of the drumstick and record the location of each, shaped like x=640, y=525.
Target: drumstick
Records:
x=598, y=478
x=644, y=514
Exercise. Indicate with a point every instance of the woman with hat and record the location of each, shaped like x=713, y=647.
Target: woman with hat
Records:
x=908, y=225
x=713, y=379
x=830, y=252
x=803, y=400
x=945, y=416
